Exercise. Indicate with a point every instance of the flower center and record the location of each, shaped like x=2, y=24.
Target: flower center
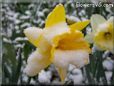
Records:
x=107, y=35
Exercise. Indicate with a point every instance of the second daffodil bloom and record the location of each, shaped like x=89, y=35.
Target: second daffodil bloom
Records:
x=103, y=32
x=57, y=43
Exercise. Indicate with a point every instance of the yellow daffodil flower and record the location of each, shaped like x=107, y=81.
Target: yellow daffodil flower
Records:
x=103, y=32
x=57, y=43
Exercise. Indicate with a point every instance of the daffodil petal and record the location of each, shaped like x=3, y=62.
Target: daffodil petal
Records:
x=33, y=34
x=54, y=31
x=96, y=20
x=89, y=37
x=79, y=58
x=111, y=20
x=43, y=45
x=36, y=62
x=103, y=43
x=71, y=41
x=56, y=16
x=79, y=25
x=63, y=73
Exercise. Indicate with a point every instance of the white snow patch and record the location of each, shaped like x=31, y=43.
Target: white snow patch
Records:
x=55, y=30
x=44, y=77
x=106, y=54
x=17, y=21
x=76, y=76
x=24, y=17
x=78, y=58
x=73, y=18
x=7, y=40
x=20, y=39
x=28, y=12
x=108, y=64
x=25, y=25
x=19, y=46
x=108, y=76
x=83, y=18
x=40, y=14
x=71, y=67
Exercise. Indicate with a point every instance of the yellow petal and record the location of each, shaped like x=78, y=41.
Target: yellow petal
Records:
x=56, y=16
x=33, y=34
x=43, y=45
x=62, y=73
x=71, y=41
x=79, y=25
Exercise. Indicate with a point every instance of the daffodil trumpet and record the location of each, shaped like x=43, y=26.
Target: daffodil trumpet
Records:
x=57, y=43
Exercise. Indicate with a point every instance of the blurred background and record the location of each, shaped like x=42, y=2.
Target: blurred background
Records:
x=15, y=48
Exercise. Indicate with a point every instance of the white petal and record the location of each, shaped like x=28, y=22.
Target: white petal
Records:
x=32, y=69
x=111, y=19
x=96, y=19
x=58, y=29
x=76, y=57
x=34, y=57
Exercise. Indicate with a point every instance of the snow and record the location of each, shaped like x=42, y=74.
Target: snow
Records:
x=78, y=58
x=23, y=17
x=31, y=6
x=28, y=12
x=108, y=76
x=108, y=64
x=94, y=48
x=71, y=67
x=19, y=46
x=56, y=82
x=17, y=21
x=83, y=18
x=20, y=39
x=25, y=25
x=106, y=54
x=51, y=32
x=45, y=10
x=44, y=76
x=76, y=76
x=73, y=18
x=7, y=40
x=40, y=14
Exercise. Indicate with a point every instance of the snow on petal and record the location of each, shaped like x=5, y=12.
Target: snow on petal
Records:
x=36, y=62
x=57, y=29
x=76, y=57
x=33, y=34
